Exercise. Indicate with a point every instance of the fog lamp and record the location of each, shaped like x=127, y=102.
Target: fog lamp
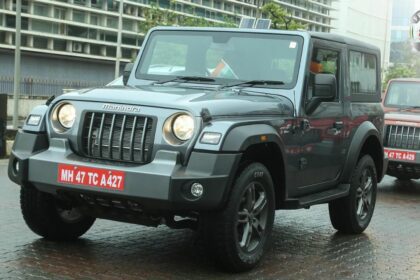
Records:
x=197, y=190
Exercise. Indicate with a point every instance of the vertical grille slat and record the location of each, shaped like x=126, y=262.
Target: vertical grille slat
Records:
x=111, y=136
x=402, y=137
x=101, y=133
x=89, y=140
x=117, y=137
x=120, y=151
x=143, y=139
x=133, y=132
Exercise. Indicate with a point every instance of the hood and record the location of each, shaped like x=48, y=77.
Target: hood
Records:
x=194, y=100
x=403, y=118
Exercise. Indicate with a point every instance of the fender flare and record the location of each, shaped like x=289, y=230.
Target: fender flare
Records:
x=363, y=132
x=242, y=137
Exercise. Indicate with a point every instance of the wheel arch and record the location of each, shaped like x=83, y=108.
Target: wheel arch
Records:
x=366, y=141
x=260, y=143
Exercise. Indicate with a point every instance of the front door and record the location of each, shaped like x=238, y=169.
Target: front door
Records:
x=322, y=131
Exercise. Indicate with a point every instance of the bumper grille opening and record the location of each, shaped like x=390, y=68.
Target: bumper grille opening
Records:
x=403, y=137
x=117, y=137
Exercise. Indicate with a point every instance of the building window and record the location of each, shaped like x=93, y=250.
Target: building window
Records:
x=126, y=53
x=77, y=31
x=111, y=51
x=129, y=41
x=112, y=22
x=363, y=78
x=164, y=4
x=41, y=26
x=94, y=19
x=59, y=13
x=2, y=37
x=127, y=25
x=79, y=16
x=40, y=42
x=60, y=45
x=41, y=10
x=59, y=28
x=95, y=49
x=10, y=21
x=2, y=4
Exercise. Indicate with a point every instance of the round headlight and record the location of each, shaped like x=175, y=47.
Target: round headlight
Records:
x=66, y=115
x=183, y=127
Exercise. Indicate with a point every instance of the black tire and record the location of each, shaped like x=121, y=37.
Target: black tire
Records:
x=352, y=214
x=235, y=248
x=43, y=215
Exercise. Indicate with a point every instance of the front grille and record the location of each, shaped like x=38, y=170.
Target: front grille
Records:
x=117, y=137
x=403, y=137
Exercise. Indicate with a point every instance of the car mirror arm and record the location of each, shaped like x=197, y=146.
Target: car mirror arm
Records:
x=312, y=104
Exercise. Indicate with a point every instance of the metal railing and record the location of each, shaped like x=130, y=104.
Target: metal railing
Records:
x=40, y=87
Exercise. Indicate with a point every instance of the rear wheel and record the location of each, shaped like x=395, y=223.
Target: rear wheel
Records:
x=239, y=234
x=352, y=214
x=48, y=217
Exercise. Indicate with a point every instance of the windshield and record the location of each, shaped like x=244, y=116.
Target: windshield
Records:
x=225, y=57
x=403, y=94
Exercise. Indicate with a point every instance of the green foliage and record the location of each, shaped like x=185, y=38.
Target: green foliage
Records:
x=161, y=17
x=398, y=71
x=280, y=19
x=406, y=62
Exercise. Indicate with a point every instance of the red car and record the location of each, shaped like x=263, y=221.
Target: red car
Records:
x=402, y=128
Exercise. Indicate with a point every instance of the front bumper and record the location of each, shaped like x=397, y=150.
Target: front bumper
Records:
x=162, y=184
x=403, y=161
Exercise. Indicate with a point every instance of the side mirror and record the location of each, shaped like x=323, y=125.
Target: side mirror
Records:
x=127, y=71
x=324, y=89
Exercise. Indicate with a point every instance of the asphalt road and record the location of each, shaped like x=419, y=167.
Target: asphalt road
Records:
x=305, y=246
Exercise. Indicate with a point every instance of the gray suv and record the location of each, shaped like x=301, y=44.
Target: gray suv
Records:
x=213, y=130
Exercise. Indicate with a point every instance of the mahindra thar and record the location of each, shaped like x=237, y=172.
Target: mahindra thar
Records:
x=214, y=129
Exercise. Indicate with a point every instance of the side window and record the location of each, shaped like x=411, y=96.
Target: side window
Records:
x=323, y=61
x=363, y=78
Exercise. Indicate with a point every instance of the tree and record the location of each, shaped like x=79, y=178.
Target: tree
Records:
x=398, y=71
x=280, y=19
x=154, y=16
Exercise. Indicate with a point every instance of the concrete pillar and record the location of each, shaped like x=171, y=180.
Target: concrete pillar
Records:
x=3, y=123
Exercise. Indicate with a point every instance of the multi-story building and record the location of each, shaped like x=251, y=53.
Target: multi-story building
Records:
x=77, y=39
x=402, y=10
x=368, y=21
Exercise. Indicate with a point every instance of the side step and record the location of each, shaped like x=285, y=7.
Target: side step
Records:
x=317, y=198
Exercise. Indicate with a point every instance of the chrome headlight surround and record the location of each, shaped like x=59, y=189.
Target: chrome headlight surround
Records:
x=179, y=128
x=63, y=117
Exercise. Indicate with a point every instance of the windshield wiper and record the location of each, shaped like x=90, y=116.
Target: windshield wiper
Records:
x=256, y=83
x=409, y=108
x=184, y=79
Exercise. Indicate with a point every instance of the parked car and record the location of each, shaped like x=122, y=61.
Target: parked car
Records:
x=214, y=131
x=402, y=132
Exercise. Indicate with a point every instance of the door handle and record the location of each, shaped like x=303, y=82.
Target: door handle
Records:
x=305, y=125
x=338, y=125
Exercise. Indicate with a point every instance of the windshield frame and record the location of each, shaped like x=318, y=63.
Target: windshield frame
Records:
x=222, y=81
x=388, y=94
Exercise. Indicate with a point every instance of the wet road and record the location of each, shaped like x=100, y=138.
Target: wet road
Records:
x=304, y=246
